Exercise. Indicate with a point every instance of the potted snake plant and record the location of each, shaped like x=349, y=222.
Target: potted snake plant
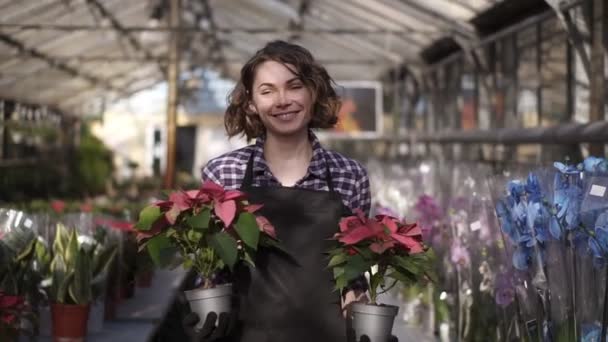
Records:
x=76, y=270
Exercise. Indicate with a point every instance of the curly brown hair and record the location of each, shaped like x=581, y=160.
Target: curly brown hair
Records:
x=240, y=120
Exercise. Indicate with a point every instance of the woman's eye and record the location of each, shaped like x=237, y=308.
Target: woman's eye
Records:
x=296, y=86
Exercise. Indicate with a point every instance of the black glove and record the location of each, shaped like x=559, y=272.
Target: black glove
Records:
x=364, y=338
x=210, y=332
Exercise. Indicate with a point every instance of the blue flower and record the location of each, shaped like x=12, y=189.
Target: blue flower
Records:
x=591, y=333
x=555, y=228
x=598, y=244
x=522, y=257
x=532, y=188
x=567, y=169
x=595, y=164
x=516, y=189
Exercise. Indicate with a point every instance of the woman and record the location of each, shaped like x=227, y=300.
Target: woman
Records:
x=283, y=93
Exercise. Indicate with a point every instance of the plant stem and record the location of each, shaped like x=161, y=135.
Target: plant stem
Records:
x=605, y=309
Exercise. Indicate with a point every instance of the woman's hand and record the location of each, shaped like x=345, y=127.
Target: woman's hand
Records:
x=351, y=297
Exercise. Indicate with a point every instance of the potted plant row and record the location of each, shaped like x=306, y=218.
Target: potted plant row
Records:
x=209, y=230
x=388, y=251
x=18, y=283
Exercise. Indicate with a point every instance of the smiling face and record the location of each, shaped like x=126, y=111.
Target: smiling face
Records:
x=281, y=99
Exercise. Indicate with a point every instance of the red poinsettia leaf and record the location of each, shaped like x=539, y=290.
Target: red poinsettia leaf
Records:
x=8, y=318
x=7, y=302
x=233, y=195
x=164, y=205
x=58, y=206
x=360, y=214
x=381, y=246
x=412, y=230
x=266, y=226
x=356, y=235
x=390, y=223
x=180, y=200
x=252, y=208
x=226, y=211
x=349, y=223
x=412, y=245
x=86, y=207
x=212, y=189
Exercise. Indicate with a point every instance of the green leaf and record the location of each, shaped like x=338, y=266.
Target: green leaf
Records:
x=71, y=250
x=403, y=276
x=187, y=264
x=103, y=260
x=226, y=247
x=338, y=272
x=337, y=260
x=341, y=283
x=355, y=266
x=409, y=263
x=194, y=236
x=248, y=230
x=147, y=217
x=201, y=220
x=248, y=258
x=161, y=250
x=80, y=288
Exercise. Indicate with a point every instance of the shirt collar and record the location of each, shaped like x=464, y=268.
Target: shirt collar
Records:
x=318, y=164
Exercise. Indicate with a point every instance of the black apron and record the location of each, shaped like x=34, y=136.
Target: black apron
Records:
x=291, y=297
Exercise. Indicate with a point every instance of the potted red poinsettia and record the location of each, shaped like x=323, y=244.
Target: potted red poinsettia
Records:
x=209, y=230
x=388, y=251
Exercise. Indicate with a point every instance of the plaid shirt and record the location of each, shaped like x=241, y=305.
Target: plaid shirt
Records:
x=349, y=177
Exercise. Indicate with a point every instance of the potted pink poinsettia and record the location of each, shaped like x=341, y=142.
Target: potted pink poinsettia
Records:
x=388, y=251
x=210, y=230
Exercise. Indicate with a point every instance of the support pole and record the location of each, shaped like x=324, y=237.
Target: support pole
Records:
x=173, y=93
x=597, y=78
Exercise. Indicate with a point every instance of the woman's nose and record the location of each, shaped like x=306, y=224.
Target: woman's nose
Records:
x=283, y=99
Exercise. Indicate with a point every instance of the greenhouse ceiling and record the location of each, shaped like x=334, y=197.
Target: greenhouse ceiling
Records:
x=71, y=53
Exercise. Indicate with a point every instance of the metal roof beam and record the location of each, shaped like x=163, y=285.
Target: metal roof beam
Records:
x=124, y=33
x=261, y=30
x=54, y=63
x=455, y=25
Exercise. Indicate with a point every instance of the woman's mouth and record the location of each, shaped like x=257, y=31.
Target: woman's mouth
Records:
x=285, y=116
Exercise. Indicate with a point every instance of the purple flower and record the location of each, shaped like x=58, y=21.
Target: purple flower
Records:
x=459, y=254
x=504, y=291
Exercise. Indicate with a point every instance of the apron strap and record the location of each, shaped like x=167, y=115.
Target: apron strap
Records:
x=248, y=179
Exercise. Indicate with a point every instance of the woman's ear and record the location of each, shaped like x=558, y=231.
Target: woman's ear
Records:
x=251, y=109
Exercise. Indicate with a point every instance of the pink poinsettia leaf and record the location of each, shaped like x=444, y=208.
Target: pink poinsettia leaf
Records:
x=233, y=195
x=172, y=214
x=212, y=189
x=180, y=200
x=226, y=211
x=266, y=226
x=349, y=223
x=192, y=194
x=252, y=208
x=356, y=235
